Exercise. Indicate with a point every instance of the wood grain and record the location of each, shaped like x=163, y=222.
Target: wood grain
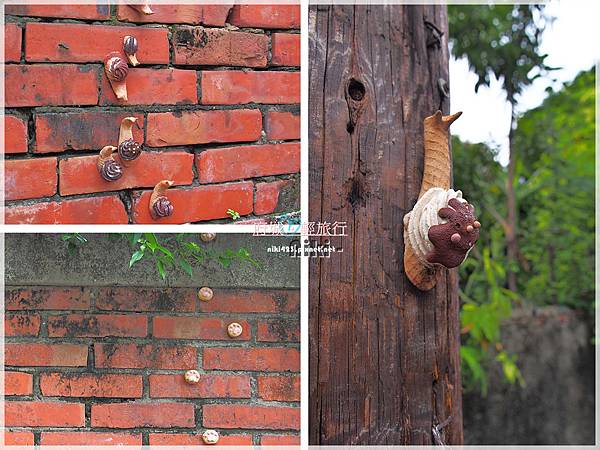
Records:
x=384, y=357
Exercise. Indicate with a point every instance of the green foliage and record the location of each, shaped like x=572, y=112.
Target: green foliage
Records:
x=555, y=169
x=501, y=41
x=182, y=255
x=234, y=214
x=556, y=196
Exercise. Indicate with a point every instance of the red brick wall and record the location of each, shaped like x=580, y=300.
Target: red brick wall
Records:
x=217, y=97
x=106, y=365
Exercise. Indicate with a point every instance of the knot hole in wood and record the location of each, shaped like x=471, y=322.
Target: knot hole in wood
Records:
x=355, y=95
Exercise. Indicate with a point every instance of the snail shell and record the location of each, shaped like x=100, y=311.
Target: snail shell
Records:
x=130, y=45
x=129, y=150
x=162, y=207
x=210, y=437
x=116, y=69
x=111, y=170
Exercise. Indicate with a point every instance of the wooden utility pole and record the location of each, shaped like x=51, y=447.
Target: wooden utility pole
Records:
x=384, y=356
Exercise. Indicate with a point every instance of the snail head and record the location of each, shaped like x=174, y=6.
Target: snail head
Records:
x=107, y=151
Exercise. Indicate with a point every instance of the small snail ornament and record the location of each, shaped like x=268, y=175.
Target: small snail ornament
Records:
x=108, y=168
x=210, y=437
x=234, y=330
x=441, y=229
x=205, y=294
x=143, y=7
x=129, y=150
x=130, y=47
x=192, y=377
x=160, y=205
x=116, y=70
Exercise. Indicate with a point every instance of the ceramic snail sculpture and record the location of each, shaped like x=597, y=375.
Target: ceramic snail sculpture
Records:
x=441, y=228
x=143, y=7
x=109, y=169
x=129, y=150
x=210, y=437
x=130, y=47
x=160, y=205
x=116, y=69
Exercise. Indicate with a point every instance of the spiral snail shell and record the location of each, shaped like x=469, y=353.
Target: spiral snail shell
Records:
x=129, y=150
x=130, y=47
x=162, y=207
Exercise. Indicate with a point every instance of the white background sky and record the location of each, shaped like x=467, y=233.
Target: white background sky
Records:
x=572, y=42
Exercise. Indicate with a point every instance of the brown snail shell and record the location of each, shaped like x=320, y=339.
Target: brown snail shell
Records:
x=129, y=150
x=116, y=68
x=130, y=47
x=205, y=294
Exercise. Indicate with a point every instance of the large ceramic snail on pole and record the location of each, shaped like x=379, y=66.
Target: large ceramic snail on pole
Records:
x=441, y=229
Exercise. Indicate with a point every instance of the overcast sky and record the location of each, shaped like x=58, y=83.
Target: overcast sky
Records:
x=571, y=42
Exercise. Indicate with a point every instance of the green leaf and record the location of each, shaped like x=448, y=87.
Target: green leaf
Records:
x=136, y=257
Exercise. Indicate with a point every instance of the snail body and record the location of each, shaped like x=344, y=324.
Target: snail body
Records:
x=108, y=168
x=441, y=229
x=129, y=150
x=116, y=70
x=144, y=8
x=130, y=47
x=160, y=205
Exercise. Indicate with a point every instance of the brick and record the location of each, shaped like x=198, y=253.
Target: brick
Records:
x=81, y=43
x=198, y=203
x=50, y=84
x=146, y=299
x=45, y=355
x=80, y=175
x=144, y=356
x=91, y=385
x=267, y=196
x=18, y=438
x=285, y=49
x=266, y=16
x=40, y=298
x=234, y=163
x=30, y=178
x=193, y=14
x=196, y=439
x=131, y=415
x=280, y=439
x=236, y=87
x=13, y=37
x=282, y=125
x=44, y=414
x=97, y=325
x=96, y=210
x=282, y=389
x=202, y=127
x=253, y=301
x=86, y=12
x=196, y=328
x=84, y=438
x=83, y=130
x=15, y=134
x=22, y=325
x=278, y=331
x=220, y=47
x=258, y=359
x=209, y=386
x=18, y=383
x=154, y=87
x=254, y=417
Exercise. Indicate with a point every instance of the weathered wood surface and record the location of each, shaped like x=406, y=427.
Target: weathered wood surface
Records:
x=384, y=357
